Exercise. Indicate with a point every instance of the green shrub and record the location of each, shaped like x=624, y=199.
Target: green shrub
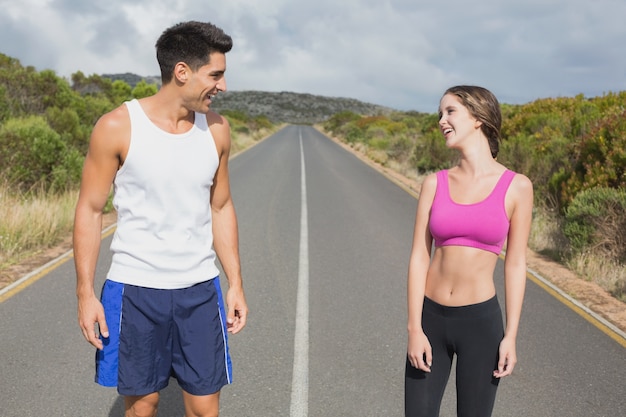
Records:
x=431, y=153
x=31, y=152
x=120, y=92
x=595, y=222
x=400, y=148
x=66, y=122
x=143, y=89
x=260, y=123
x=600, y=157
x=336, y=123
x=353, y=134
x=66, y=175
x=380, y=143
x=245, y=130
x=91, y=107
x=545, y=158
x=233, y=115
x=5, y=104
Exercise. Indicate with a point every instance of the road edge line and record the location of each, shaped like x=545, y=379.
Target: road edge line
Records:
x=588, y=314
x=582, y=310
x=34, y=276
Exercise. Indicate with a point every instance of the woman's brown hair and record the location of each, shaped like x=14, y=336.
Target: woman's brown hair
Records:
x=484, y=107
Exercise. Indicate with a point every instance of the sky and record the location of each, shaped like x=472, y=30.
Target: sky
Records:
x=398, y=53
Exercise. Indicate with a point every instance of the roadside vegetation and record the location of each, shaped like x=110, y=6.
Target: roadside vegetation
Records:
x=572, y=148
x=45, y=124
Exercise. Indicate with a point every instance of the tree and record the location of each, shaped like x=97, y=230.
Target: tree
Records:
x=143, y=89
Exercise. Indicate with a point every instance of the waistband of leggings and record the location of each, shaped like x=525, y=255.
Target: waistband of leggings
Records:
x=472, y=310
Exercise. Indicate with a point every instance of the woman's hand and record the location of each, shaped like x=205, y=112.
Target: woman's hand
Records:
x=507, y=358
x=419, y=351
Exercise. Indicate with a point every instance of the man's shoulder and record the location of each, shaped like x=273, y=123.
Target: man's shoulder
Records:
x=220, y=129
x=217, y=120
x=112, y=131
x=115, y=119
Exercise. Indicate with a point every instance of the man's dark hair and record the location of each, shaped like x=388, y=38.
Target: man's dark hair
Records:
x=192, y=43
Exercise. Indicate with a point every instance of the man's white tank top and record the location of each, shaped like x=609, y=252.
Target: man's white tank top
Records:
x=164, y=236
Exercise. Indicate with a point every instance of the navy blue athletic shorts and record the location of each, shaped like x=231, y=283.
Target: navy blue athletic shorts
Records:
x=155, y=334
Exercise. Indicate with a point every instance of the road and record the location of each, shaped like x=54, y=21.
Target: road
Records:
x=326, y=287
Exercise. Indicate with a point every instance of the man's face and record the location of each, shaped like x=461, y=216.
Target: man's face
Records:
x=207, y=81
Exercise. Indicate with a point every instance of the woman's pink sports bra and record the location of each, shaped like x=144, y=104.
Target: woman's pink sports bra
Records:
x=483, y=225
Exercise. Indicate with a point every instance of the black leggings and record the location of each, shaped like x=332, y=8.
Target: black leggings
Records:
x=471, y=332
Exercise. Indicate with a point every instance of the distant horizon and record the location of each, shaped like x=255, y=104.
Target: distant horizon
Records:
x=400, y=54
x=372, y=103
x=231, y=90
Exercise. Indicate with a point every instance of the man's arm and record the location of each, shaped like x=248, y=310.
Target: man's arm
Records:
x=225, y=230
x=101, y=164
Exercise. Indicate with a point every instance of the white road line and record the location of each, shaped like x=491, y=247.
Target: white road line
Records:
x=300, y=377
x=34, y=276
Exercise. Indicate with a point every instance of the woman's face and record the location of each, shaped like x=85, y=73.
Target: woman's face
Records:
x=455, y=121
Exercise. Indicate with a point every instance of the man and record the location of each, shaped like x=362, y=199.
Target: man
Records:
x=161, y=312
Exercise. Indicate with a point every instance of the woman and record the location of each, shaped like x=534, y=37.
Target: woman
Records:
x=469, y=211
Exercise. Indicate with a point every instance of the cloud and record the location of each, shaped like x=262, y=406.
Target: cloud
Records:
x=399, y=53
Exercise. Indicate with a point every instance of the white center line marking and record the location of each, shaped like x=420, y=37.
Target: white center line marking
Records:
x=300, y=377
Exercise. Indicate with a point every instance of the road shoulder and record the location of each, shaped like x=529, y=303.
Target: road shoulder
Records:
x=589, y=294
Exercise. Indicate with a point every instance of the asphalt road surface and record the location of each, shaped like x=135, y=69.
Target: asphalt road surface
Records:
x=324, y=254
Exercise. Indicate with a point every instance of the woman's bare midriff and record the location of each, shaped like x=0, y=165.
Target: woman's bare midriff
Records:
x=461, y=275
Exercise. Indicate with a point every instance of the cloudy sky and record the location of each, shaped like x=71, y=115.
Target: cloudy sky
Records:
x=398, y=53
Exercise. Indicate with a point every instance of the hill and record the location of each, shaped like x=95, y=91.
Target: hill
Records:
x=133, y=79
x=288, y=107
x=298, y=108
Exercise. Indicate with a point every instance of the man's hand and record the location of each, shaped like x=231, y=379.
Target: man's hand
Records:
x=237, y=310
x=90, y=312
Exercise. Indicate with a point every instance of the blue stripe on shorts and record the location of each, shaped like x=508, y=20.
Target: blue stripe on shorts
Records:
x=156, y=334
x=107, y=359
x=227, y=360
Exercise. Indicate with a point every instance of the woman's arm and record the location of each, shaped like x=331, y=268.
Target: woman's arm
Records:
x=419, y=350
x=515, y=270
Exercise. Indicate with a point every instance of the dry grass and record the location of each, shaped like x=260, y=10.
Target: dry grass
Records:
x=605, y=272
x=546, y=237
x=242, y=141
x=32, y=222
x=36, y=221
